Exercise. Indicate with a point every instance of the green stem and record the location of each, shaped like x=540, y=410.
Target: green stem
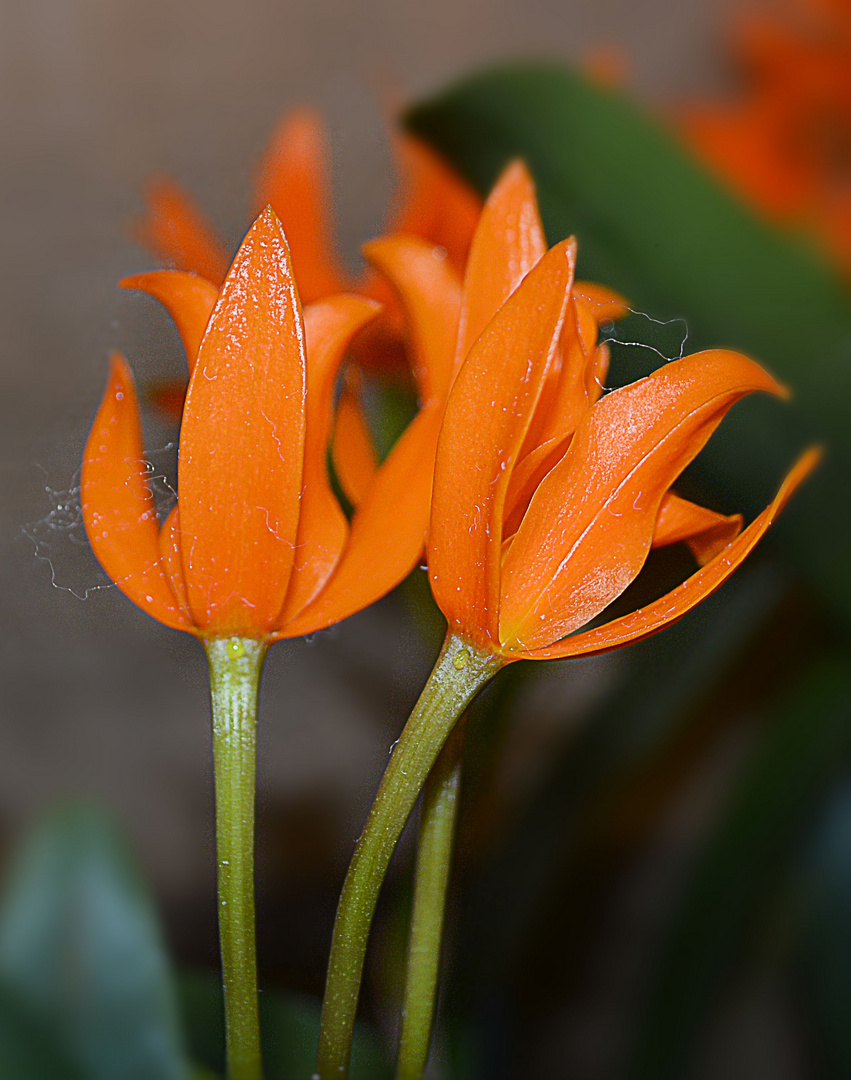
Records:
x=235, y=666
x=460, y=672
x=434, y=858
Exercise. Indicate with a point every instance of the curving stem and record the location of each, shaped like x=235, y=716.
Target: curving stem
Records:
x=439, y=815
x=461, y=671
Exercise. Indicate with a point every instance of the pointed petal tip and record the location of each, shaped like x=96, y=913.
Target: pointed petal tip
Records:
x=782, y=391
x=806, y=464
x=515, y=173
x=267, y=219
x=119, y=369
x=303, y=115
x=671, y=607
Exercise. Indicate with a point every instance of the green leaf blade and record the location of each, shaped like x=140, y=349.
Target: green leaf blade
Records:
x=654, y=225
x=81, y=950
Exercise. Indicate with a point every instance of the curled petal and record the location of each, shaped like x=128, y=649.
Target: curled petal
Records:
x=508, y=242
x=118, y=509
x=705, y=531
x=322, y=528
x=388, y=530
x=242, y=443
x=590, y=524
x=293, y=180
x=487, y=417
x=671, y=607
x=352, y=451
x=431, y=292
x=188, y=298
x=175, y=230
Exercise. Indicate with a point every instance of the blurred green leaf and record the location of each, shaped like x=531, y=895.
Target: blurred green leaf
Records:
x=27, y=1050
x=805, y=745
x=80, y=950
x=822, y=885
x=654, y=225
x=660, y=685
x=290, y=1031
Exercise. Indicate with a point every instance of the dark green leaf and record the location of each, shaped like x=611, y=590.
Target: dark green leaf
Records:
x=290, y=1032
x=27, y=1050
x=652, y=701
x=81, y=951
x=823, y=887
x=653, y=224
x=805, y=745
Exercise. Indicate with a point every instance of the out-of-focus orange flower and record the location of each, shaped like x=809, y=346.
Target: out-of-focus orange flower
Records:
x=257, y=546
x=785, y=142
x=435, y=204
x=547, y=495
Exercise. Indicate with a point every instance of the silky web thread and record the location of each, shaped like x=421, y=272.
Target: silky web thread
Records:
x=610, y=330
x=60, y=536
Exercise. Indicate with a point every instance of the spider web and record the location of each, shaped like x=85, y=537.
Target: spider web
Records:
x=59, y=538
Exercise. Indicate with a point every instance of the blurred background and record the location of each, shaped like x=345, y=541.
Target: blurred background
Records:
x=641, y=864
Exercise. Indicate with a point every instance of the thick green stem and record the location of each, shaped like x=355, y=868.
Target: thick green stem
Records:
x=434, y=858
x=235, y=666
x=461, y=671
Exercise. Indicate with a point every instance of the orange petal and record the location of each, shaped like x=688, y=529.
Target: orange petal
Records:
x=352, y=451
x=438, y=205
x=293, y=180
x=590, y=524
x=322, y=528
x=566, y=396
x=605, y=304
x=671, y=607
x=431, y=294
x=188, y=298
x=487, y=416
x=705, y=532
x=176, y=231
x=565, y=400
x=388, y=531
x=118, y=509
x=596, y=373
x=508, y=242
x=242, y=443
x=525, y=480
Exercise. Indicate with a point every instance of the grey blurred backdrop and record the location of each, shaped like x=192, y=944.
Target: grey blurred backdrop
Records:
x=95, y=97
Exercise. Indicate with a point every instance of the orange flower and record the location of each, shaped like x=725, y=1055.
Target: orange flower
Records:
x=293, y=179
x=548, y=496
x=785, y=143
x=445, y=315
x=257, y=546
